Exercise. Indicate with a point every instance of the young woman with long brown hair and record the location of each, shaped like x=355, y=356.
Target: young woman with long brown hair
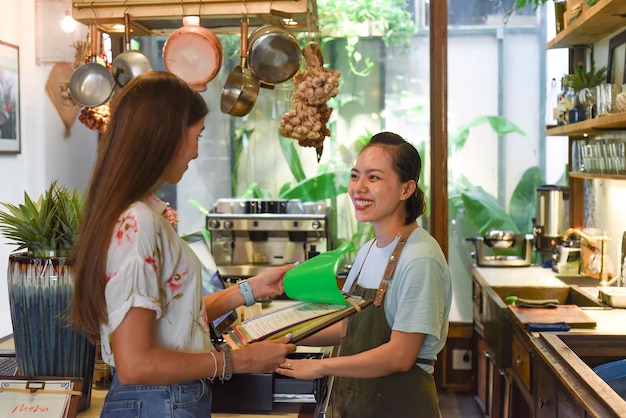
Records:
x=138, y=285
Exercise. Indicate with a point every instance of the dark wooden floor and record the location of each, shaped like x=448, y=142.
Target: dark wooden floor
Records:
x=458, y=405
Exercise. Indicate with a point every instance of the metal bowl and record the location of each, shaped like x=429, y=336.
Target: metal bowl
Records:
x=499, y=239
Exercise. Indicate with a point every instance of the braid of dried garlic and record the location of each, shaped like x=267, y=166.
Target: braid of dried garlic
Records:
x=307, y=119
x=95, y=118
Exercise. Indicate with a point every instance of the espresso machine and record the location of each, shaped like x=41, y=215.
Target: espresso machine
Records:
x=552, y=218
x=248, y=236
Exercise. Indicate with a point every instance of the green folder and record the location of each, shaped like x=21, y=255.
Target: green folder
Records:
x=315, y=280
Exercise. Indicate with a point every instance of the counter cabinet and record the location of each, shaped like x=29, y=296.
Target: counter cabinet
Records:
x=489, y=381
x=522, y=374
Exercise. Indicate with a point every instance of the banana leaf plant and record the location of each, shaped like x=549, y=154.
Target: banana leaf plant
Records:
x=484, y=212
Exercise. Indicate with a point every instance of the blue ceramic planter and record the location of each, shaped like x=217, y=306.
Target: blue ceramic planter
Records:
x=40, y=295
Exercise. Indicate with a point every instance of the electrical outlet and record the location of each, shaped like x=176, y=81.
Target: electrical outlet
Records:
x=461, y=359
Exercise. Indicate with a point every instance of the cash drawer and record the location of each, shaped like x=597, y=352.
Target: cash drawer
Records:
x=257, y=392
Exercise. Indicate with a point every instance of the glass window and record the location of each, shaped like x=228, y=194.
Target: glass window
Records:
x=496, y=72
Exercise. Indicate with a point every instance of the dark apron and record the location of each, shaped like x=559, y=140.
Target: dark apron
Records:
x=404, y=394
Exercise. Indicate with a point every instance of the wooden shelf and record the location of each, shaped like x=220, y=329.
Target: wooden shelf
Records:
x=593, y=24
x=590, y=126
x=152, y=17
x=577, y=175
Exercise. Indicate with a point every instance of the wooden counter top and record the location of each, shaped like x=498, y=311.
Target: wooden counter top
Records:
x=609, y=320
x=518, y=276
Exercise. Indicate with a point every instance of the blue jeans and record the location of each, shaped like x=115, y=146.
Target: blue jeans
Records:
x=183, y=400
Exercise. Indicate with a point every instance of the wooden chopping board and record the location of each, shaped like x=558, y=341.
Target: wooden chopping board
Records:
x=571, y=314
x=61, y=72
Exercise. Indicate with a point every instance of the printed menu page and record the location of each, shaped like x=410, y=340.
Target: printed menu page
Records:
x=32, y=398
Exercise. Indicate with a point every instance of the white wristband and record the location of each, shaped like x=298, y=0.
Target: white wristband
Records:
x=246, y=291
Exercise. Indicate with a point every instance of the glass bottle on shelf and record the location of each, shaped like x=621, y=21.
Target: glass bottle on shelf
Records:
x=561, y=107
x=552, y=104
x=570, y=97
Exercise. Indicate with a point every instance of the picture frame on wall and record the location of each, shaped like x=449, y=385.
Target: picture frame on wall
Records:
x=616, y=69
x=10, y=138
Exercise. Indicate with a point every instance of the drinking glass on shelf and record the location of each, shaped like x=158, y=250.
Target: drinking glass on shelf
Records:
x=585, y=156
x=616, y=152
x=577, y=162
x=601, y=102
x=612, y=90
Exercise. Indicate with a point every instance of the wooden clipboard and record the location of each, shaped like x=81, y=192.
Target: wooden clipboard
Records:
x=36, y=384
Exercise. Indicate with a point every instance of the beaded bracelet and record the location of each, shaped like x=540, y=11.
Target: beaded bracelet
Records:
x=227, y=369
x=214, y=366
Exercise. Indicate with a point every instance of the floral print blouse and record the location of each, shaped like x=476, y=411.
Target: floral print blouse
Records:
x=150, y=267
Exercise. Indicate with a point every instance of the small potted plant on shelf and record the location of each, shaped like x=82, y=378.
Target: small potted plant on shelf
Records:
x=585, y=85
x=41, y=284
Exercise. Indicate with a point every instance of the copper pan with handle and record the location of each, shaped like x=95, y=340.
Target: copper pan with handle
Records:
x=242, y=87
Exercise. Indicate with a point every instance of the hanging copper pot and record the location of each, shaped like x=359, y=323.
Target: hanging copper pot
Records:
x=241, y=88
x=193, y=53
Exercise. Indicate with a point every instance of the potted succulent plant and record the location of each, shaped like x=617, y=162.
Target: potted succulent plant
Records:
x=41, y=285
x=584, y=83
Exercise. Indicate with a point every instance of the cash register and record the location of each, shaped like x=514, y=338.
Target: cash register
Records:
x=252, y=392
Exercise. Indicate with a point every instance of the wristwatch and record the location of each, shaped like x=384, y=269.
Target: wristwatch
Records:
x=246, y=291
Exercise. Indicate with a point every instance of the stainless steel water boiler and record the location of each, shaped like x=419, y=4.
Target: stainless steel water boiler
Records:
x=552, y=217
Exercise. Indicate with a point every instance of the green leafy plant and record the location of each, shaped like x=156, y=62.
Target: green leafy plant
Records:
x=525, y=3
x=46, y=227
x=582, y=79
x=390, y=19
x=486, y=213
x=474, y=210
x=483, y=209
x=520, y=4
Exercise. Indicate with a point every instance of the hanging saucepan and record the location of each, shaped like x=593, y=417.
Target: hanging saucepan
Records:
x=274, y=54
x=241, y=88
x=193, y=53
x=92, y=84
x=129, y=64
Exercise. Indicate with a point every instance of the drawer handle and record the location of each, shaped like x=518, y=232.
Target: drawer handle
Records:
x=488, y=354
x=519, y=361
x=542, y=403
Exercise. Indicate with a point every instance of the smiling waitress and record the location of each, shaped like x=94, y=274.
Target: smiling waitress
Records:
x=387, y=350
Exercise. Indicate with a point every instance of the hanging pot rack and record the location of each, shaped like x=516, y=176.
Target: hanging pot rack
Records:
x=221, y=16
